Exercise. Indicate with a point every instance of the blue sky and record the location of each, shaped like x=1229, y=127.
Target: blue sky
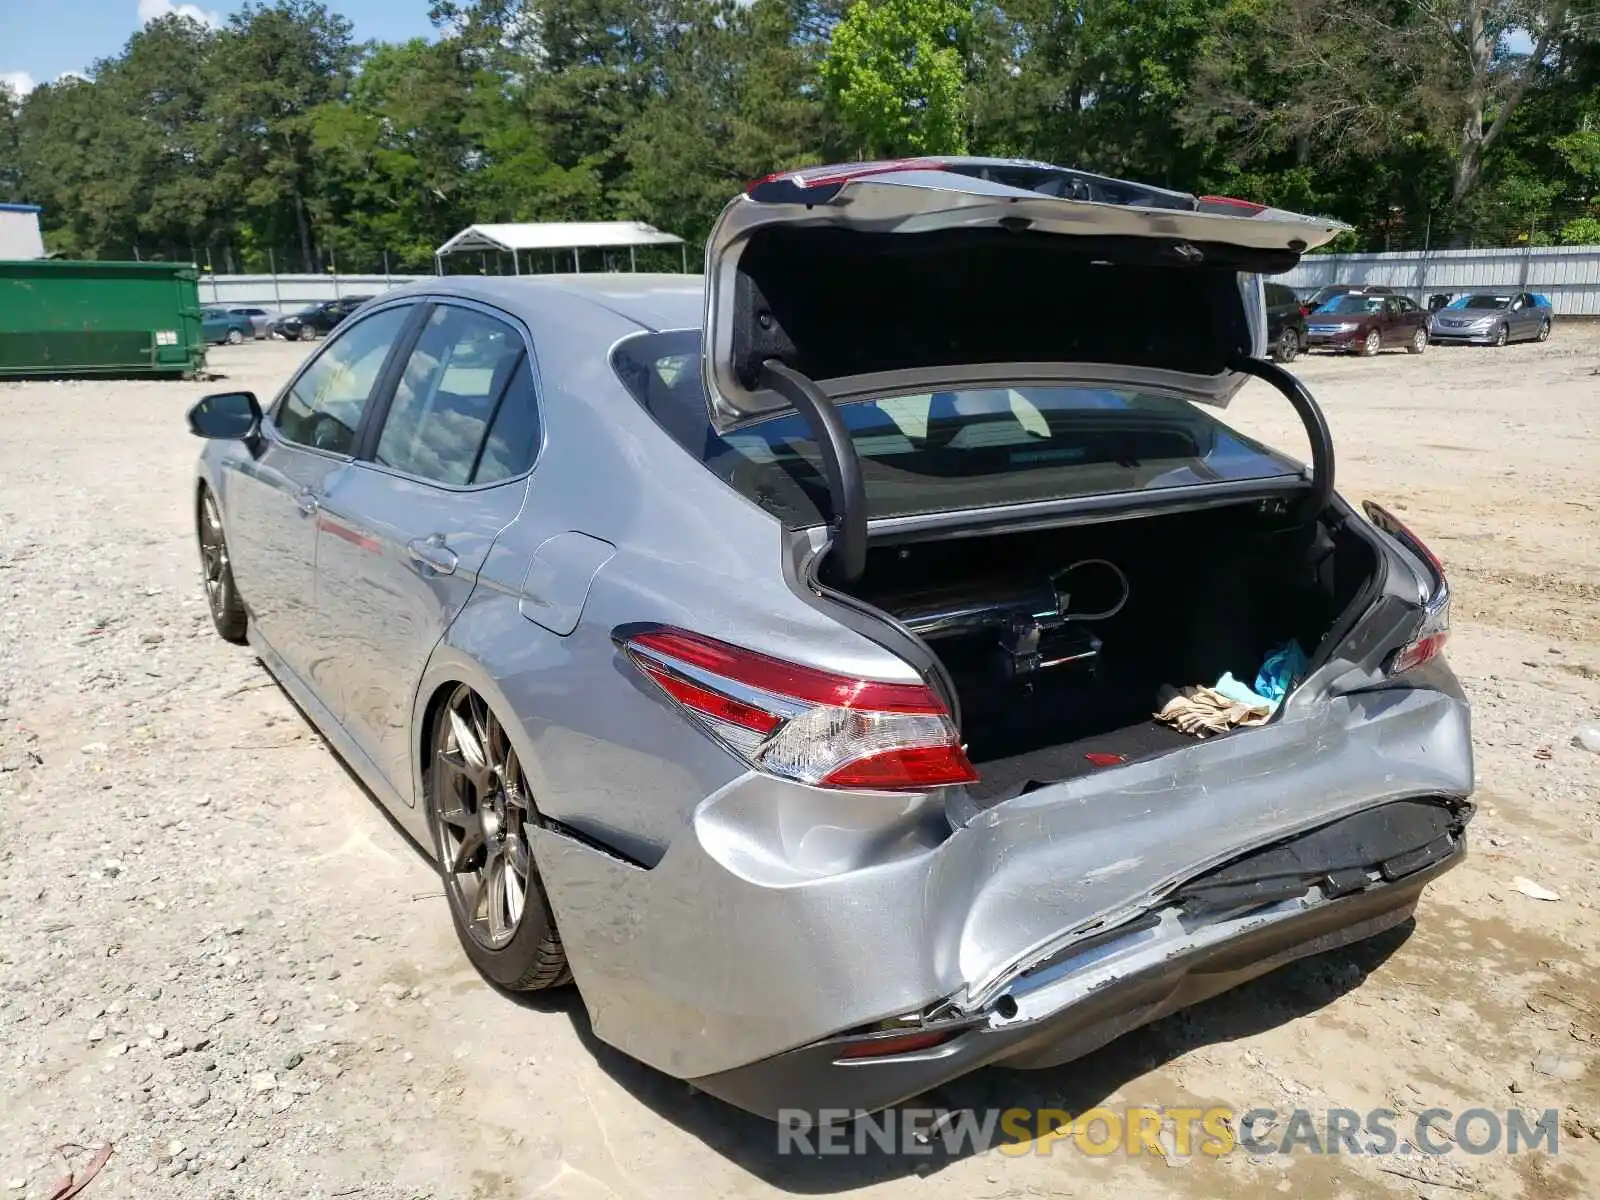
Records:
x=42, y=39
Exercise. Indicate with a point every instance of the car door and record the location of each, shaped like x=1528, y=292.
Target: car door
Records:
x=405, y=530
x=1389, y=323
x=1524, y=317
x=273, y=499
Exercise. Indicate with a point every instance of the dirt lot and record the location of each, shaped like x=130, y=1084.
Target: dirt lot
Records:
x=217, y=954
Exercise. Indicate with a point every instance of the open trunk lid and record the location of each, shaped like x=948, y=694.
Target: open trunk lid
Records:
x=938, y=273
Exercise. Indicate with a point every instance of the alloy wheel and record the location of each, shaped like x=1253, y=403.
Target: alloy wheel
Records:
x=484, y=813
x=1544, y=332
x=213, y=557
x=1501, y=336
x=1288, y=346
x=1373, y=343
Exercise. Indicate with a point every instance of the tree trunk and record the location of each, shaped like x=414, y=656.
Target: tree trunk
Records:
x=1469, y=159
x=305, y=233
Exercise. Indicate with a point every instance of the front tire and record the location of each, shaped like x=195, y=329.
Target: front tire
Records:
x=481, y=815
x=1419, y=342
x=216, y=573
x=1502, y=335
x=1370, y=345
x=1544, y=332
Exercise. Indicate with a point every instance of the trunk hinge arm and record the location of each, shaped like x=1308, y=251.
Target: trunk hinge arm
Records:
x=841, y=467
x=1310, y=414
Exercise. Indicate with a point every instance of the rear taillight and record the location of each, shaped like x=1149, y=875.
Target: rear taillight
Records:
x=1305, y=310
x=1433, y=630
x=804, y=724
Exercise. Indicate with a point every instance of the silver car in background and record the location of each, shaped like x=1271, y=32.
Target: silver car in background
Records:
x=1494, y=319
x=774, y=654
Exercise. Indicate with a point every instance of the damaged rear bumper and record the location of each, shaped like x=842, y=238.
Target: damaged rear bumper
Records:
x=1084, y=1001
x=786, y=920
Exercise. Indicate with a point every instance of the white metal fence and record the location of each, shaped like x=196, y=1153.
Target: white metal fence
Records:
x=1568, y=275
x=285, y=293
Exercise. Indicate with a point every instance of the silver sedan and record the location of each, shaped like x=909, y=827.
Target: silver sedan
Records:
x=776, y=655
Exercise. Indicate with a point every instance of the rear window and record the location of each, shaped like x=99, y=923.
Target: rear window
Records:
x=945, y=451
x=1487, y=302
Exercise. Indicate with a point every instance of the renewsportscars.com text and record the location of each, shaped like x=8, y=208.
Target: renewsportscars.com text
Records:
x=1168, y=1132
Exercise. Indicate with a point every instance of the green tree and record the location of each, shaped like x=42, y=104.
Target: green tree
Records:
x=272, y=69
x=733, y=100
x=897, y=75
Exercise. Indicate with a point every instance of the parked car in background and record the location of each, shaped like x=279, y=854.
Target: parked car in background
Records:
x=793, y=744
x=1286, y=323
x=219, y=325
x=1361, y=323
x=259, y=318
x=317, y=320
x=1494, y=318
x=1323, y=295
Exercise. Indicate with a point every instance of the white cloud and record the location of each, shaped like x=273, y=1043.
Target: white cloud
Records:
x=154, y=10
x=19, y=82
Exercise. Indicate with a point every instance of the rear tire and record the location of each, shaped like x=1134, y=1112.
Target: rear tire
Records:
x=235, y=338
x=1287, y=348
x=216, y=572
x=480, y=813
x=1419, y=342
x=1369, y=346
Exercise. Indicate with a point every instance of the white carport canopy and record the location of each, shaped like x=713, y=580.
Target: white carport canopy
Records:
x=515, y=239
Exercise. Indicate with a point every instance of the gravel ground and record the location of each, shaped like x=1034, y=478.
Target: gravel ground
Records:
x=219, y=956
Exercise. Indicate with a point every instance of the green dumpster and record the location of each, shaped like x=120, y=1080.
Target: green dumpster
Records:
x=62, y=317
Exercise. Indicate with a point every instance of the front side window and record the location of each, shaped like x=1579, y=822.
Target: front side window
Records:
x=323, y=407
x=944, y=451
x=463, y=410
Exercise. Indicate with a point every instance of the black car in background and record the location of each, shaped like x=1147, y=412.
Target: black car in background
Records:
x=316, y=320
x=1286, y=323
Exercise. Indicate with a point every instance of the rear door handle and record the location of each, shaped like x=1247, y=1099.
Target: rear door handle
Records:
x=431, y=553
x=306, y=501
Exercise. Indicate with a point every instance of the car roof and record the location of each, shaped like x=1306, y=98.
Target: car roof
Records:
x=651, y=301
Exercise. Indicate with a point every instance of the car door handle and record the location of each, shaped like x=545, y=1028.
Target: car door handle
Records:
x=431, y=552
x=306, y=501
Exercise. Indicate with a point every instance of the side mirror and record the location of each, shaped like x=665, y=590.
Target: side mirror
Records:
x=228, y=416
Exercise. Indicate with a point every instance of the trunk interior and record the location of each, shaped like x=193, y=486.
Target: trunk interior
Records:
x=1206, y=592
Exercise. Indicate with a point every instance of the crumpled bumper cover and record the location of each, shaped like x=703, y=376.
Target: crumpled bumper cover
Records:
x=784, y=916
x=1156, y=967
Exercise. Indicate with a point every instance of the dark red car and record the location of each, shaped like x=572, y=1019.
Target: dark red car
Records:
x=1364, y=324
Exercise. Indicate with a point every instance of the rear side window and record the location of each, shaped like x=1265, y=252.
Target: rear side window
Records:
x=463, y=410
x=323, y=408
x=1278, y=295
x=944, y=451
